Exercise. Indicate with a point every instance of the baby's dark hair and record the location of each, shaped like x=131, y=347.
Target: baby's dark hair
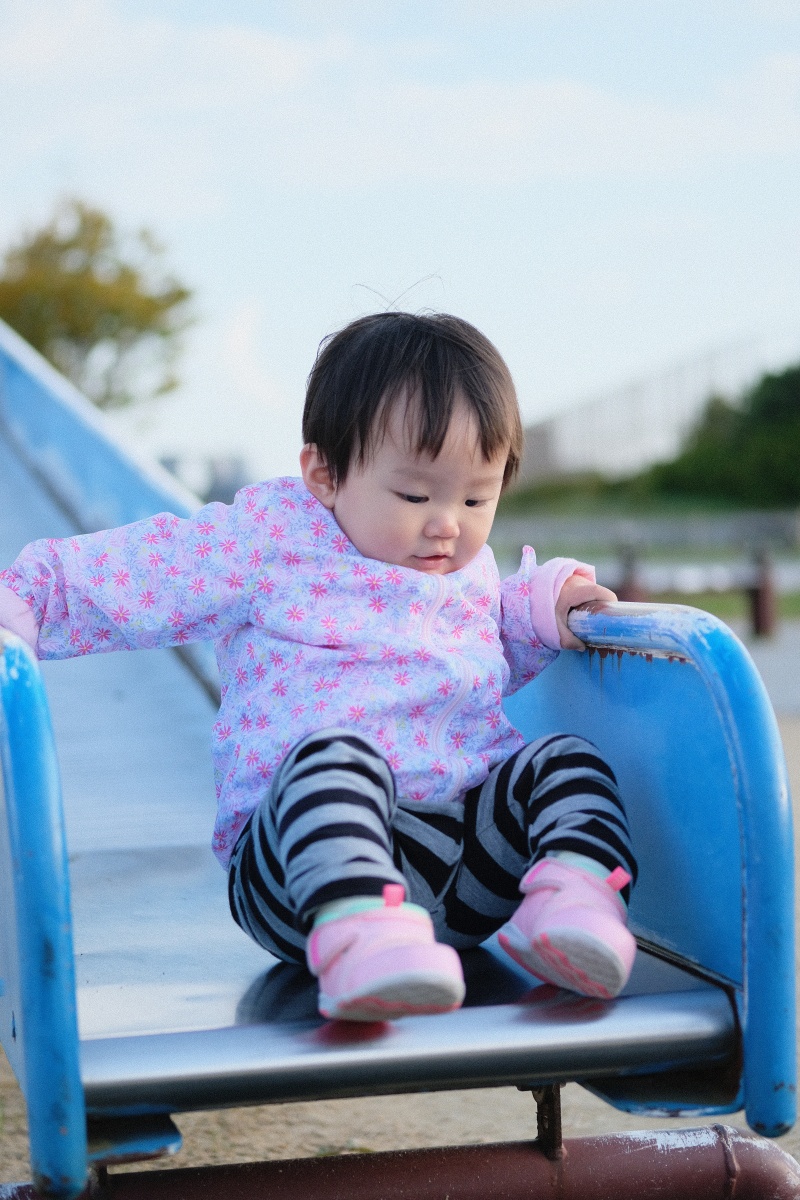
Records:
x=364, y=368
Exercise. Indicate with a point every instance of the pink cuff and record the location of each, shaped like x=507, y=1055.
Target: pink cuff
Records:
x=546, y=583
x=17, y=617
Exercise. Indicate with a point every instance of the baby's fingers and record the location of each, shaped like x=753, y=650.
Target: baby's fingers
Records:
x=568, y=639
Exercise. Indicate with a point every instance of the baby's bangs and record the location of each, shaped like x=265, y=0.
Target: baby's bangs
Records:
x=426, y=413
x=424, y=362
x=430, y=398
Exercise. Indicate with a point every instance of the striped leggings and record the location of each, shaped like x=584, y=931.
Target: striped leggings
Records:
x=331, y=828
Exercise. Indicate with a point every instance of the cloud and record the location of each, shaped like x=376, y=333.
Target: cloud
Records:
x=321, y=11
x=146, y=108
x=490, y=131
x=775, y=10
x=177, y=116
x=91, y=41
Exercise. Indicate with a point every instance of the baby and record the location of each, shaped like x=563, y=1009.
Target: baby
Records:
x=377, y=809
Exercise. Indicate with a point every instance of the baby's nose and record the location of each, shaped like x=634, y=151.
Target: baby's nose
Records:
x=443, y=524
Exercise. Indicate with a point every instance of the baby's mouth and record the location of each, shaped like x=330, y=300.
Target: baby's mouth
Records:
x=433, y=560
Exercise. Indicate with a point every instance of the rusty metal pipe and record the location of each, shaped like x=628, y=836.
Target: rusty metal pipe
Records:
x=710, y=1163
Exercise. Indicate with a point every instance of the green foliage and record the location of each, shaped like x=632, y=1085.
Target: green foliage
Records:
x=99, y=308
x=744, y=454
x=565, y=493
x=748, y=453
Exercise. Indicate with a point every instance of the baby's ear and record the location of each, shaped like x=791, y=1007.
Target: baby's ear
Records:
x=316, y=475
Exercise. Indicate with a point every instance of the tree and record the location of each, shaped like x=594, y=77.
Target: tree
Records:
x=741, y=452
x=747, y=452
x=97, y=305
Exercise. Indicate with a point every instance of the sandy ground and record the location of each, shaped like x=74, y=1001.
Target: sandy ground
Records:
x=385, y=1123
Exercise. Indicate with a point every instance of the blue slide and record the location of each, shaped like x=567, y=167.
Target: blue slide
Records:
x=128, y=994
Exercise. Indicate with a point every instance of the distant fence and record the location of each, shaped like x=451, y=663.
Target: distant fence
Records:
x=731, y=532
x=630, y=427
x=753, y=549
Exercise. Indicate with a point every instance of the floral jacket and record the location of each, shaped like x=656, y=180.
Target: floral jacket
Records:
x=309, y=634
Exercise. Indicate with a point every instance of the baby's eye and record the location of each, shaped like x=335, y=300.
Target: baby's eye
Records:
x=474, y=503
x=413, y=499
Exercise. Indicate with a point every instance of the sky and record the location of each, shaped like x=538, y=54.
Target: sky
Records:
x=604, y=187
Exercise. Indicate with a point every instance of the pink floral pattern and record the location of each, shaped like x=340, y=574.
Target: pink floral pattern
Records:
x=307, y=632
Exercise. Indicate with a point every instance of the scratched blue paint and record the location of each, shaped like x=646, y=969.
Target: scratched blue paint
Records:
x=38, y=1021
x=671, y=696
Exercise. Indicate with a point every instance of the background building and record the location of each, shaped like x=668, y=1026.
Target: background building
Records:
x=624, y=430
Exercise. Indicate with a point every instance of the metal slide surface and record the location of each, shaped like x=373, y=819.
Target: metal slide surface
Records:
x=132, y=734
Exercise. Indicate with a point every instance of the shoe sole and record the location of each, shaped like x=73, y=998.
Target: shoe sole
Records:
x=569, y=958
x=417, y=994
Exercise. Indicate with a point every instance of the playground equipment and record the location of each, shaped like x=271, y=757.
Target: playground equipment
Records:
x=128, y=994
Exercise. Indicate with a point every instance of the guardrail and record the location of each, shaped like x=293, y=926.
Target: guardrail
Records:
x=37, y=989
x=756, y=761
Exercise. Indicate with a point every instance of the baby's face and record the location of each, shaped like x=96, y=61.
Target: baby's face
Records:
x=430, y=514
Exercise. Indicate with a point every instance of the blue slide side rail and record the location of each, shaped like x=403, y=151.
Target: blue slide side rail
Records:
x=98, y=481
x=38, y=1017
x=757, y=765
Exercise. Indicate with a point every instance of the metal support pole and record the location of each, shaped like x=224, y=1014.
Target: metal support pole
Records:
x=629, y=586
x=762, y=596
x=548, y=1120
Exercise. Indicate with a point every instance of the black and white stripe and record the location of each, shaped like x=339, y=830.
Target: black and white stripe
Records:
x=322, y=833
x=331, y=828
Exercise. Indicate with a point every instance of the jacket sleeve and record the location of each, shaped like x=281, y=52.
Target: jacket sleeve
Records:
x=528, y=614
x=17, y=617
x=160, y=582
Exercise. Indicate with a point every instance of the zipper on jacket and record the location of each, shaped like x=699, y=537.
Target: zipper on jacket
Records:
x=458, y=697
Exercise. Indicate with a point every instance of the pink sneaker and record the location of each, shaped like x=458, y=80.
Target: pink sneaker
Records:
x=570, y=929
x=383, y=963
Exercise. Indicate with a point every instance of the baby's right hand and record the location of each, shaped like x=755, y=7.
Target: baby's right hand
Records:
x=578, y=592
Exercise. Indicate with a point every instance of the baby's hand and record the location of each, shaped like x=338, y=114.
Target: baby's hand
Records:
x=577, y=592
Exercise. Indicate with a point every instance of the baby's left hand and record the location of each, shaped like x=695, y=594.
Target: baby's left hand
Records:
x=577, y=592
